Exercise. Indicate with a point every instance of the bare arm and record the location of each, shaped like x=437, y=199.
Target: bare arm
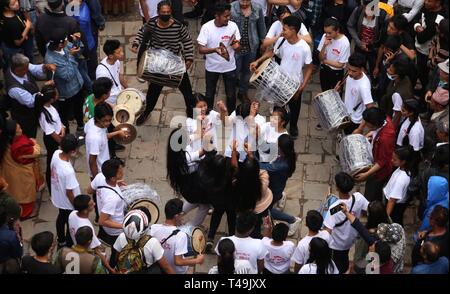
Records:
x=166, y=266
x=180, y=261
x=70, y=195
x=93, y=165
x=260, y=263
x=144, y=8
x=390, y=206
x=106, y=221
x=204, y=50
x=297, y=267
x=123, y=81
x=411, y=53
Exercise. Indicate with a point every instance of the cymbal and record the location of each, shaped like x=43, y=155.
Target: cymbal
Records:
x=130, y=129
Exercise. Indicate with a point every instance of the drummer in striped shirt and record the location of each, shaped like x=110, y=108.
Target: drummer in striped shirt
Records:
x=165, y=32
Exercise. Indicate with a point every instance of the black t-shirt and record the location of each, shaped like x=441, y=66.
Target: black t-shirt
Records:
x=407, y=40
x=32, y=266
x=11, y=29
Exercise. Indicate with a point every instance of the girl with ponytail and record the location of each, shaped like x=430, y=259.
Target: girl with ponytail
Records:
x=226, y=263
x=411, y=130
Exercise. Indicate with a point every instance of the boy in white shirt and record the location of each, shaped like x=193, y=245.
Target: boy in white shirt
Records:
x=295, y=53
x=64, y=186
x=358, y=94
x=278, y=259
x=218, y=40
x=314, y=222
x=110, y=203
x=172, y=240
x=247, y=248
x=343, y=235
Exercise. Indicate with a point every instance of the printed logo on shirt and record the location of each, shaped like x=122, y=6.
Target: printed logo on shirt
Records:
x=277, y=259
x=242, y=255
x=54, y=176
x=296, y=56
x=354, y=92
x=335, y=51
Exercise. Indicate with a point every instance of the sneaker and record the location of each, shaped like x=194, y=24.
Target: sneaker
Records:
x=142, y=118
x=318, y=127
x=293, y=228
x=209, y=246
x=140, y=80
x=210, y=211
x=282, y=202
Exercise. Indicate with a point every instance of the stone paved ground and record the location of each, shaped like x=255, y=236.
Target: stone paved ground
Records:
x=145, y=157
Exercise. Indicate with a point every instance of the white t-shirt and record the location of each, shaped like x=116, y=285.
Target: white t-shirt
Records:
x=152, y=6
x=397, y=186
x=210, y=36
x=176, y=245
x=416, y=134
x=55, y=126
x=247, y=249
x=153, y=250
x=338, y=50
x=397, y=101
x=301, y=253
x=269, y=136
x=311, y=269
x=109, y=202
x=62, y=178
x=96, y=144
x=277, y=27
x=293, y=57
x=343, y=237
x=113, y=74
x=210, y=124
x=278, y=259
x=241, y=267
x=240, y=131
x=76, y=222
x=357, y=93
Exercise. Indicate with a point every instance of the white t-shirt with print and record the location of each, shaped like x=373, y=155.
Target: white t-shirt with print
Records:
x=397, y=101
x=357, y=94
x=210, y=123
x=277, y=27
x=210, y=36
x=301, y=253
x=311, y=269
x=343, y=237
x=247, y=249
x=109, y=202
x=113, y=74
x=62, y=178
x=416, y=134
x=76, y=222
x=397, y=186
x=152, y=8
x=269, y=135
x=55, y=126
x=293, y=57
x=96, y=144
x=278, y=259
x=176, y=245
x=338, y=50
x=153, y=250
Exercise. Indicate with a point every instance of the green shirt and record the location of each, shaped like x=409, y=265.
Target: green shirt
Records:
x=88, y=108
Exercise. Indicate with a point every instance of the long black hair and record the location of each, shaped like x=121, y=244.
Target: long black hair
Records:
x=226, y=249
x=177, y=167
x=286, y=145
x=407, y=154
x=320, y=254
x=248, y=185
x=411, y=105
x=376, y=214
x=47, y=94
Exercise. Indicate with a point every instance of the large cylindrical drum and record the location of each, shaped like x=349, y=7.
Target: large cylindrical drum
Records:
x=140, y=195
x=330, y=110
x=196, y=240
x=355, y=154
x=276, y=86
x=162, y=67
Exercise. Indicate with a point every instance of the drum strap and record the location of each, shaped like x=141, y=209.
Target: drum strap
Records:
x=106, y=187
x=350, y=210
x=112, y=77
x=170, y=236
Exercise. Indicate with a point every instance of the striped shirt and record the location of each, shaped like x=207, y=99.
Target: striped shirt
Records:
x=175, y=38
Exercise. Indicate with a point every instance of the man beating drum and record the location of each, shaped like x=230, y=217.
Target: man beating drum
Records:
x=165, y=32
x=295, y=54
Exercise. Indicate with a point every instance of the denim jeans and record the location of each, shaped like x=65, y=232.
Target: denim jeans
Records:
x=243, y=70
x=282, y=216
x=229, y=79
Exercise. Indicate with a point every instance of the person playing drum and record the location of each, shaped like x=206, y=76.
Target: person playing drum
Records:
x=294, y=54
x=165, y=32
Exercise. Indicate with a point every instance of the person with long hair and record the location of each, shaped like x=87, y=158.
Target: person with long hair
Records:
x=395, y=191
x=320, y=261
x=279, y=171
x=226, y=263
x=50, y=122
x=411, y=131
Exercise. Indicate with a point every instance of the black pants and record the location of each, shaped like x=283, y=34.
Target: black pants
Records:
x=92, y=61
x=329, y=77
x=340, y=258
x=422, y=70
x=62, y=227
x=294, y=108
x=94, y=197
x=72, y=105
x=185, y=87
x=51, y=145
x=374, y=189
x=216, y=217
x=397, y=213
x=257, y=230
x=229, y=79
x=110, y=240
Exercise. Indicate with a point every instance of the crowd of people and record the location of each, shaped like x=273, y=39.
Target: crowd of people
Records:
x=389, y=62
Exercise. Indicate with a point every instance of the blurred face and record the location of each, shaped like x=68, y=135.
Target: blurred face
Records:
x=165, y=12
x=223, y=18
x=21, y=71
x=275, y=120
x=353, y=71
x=105, y=121
x=330, y=33
x=284, y=15
x=431, y=4
x=18, y=130
x=118, y=54
x=91, y=205
x=119, y=175
x=244, y=3
x=443, y=76
x=405, y=112
x=288, y=32
x=202, y=106
x=396, y=161
x=14, y=5
x=391, y=29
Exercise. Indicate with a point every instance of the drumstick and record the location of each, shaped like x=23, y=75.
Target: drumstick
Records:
x=343, y=79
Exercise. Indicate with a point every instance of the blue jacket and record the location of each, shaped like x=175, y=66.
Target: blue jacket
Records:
x=437, y=195
x=439, y=267
x=10, y=246
x=256, y=24
x=67, y=77
x=278, y=176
